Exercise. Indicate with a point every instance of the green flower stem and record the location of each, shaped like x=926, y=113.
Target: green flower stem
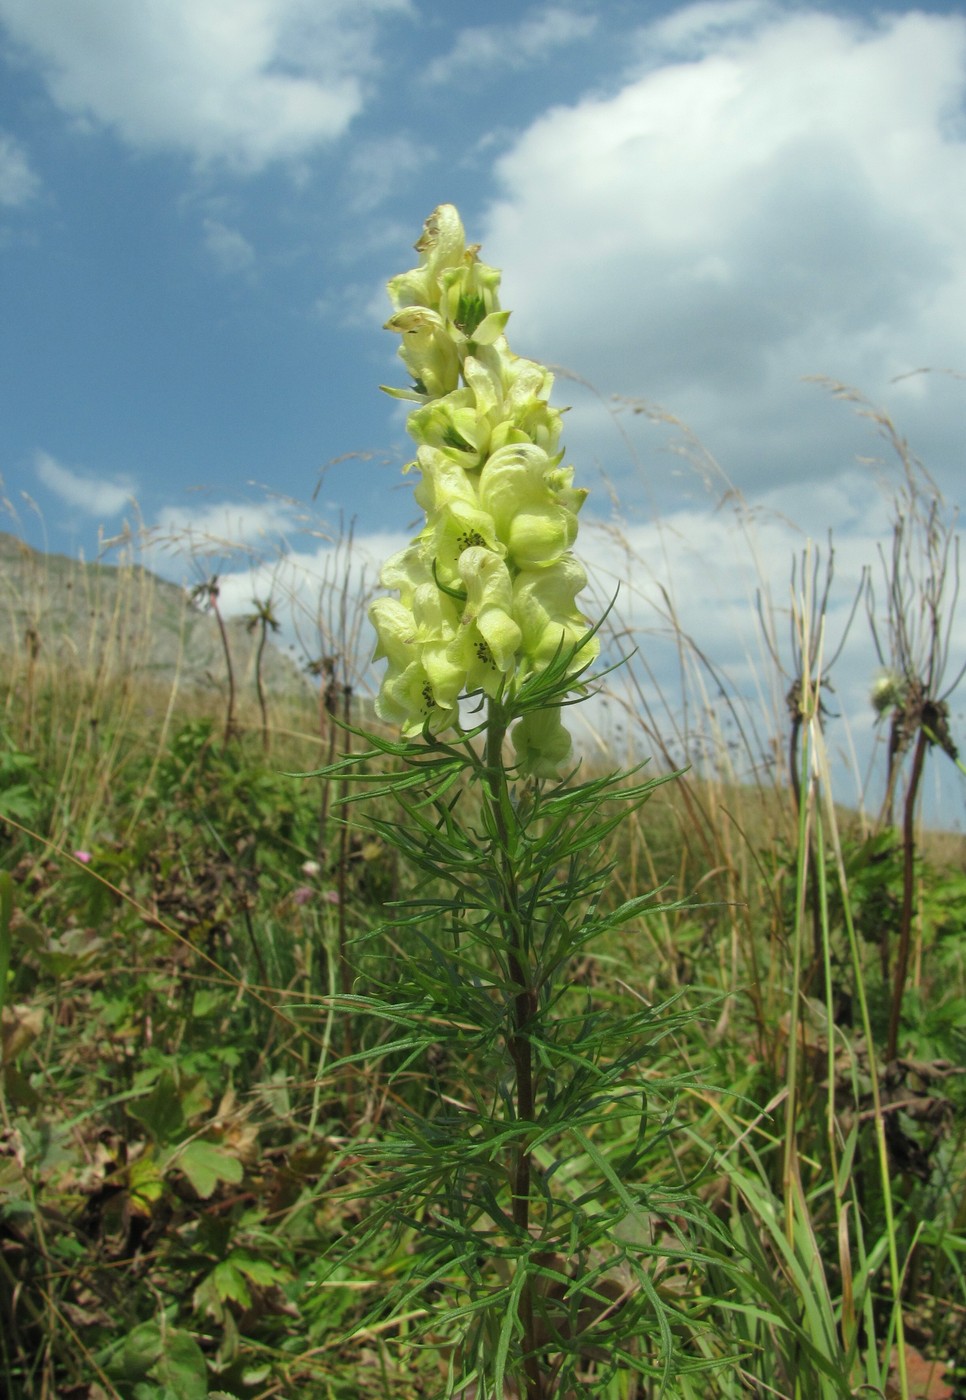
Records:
x=525, y=1006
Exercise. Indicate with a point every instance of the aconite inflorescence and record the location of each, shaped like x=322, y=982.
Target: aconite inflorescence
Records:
x=487, y=590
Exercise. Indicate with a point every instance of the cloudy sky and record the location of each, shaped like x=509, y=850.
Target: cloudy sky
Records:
x=696, y=207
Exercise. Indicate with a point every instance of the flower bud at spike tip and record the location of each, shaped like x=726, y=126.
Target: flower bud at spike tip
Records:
x=888, y=692
x=487, y=590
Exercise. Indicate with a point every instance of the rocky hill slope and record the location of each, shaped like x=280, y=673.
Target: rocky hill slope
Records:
x=63, y=613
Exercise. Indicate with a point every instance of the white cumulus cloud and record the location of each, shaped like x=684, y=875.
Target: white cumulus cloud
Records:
x=243, y=81
x=98, y=497
x=225, y=526
x=766, y=194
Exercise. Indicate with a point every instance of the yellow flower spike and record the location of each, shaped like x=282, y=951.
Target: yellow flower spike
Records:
x=487, y=591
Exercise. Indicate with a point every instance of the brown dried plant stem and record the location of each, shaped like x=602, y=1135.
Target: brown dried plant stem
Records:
x=908, y=890
x=262, y=618
x=794, y=702
x=523, y=1009
x=207, y=594
x=325, y=669
x=231, y=725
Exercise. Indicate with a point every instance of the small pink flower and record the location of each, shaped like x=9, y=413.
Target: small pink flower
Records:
x=83, y=856
x=303, y=894
x=331, y=896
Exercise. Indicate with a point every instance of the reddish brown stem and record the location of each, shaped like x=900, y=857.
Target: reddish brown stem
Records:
x=525, y=1003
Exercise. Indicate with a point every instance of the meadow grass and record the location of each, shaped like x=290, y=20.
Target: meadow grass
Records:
x=189, y=1101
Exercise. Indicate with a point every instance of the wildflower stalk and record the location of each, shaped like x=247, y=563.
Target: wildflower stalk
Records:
x=539, y=1278
x=489, y=579
x=262, y=619
x=922, y=577
x=525, y=1005
x=206, y=595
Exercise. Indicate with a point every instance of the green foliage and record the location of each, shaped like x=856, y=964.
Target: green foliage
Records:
x=6, y=915
x=140, y=1198
x=224, y=1172
x=235, y=795
x=24, y=789
x=158, y=1362
x=529, y=1183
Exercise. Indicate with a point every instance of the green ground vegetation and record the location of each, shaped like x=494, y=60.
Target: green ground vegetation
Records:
x=195, y=1107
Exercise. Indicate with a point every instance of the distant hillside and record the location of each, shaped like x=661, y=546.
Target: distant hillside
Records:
x=122, y=617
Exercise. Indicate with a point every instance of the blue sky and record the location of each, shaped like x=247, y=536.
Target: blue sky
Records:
x=694, y=206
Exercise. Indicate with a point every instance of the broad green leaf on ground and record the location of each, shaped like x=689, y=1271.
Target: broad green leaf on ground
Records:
x=205, y=1164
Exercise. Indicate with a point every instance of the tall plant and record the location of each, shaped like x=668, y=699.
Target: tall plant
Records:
x=921, y=574
x=262, y=618
x=206, y=595
x=520, y=1185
